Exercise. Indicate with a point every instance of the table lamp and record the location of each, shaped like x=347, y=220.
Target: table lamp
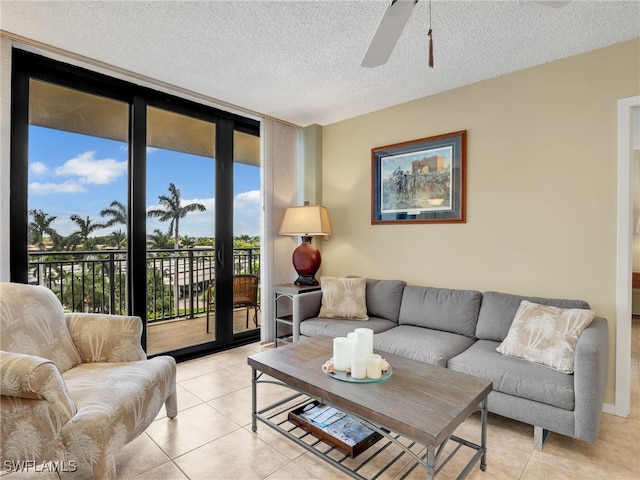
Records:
x=306, y=221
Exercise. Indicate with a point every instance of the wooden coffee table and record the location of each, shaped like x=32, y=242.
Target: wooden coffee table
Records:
x=420, y=402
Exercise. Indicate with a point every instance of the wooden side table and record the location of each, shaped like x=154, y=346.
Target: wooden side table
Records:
x=285, y=293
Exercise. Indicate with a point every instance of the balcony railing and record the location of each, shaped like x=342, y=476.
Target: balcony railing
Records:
x=95, y=281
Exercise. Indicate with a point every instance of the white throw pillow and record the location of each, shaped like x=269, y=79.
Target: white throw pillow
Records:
x=344, y=298
x=546, y=335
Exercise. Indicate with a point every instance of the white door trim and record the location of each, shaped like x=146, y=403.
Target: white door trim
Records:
x=624, y=256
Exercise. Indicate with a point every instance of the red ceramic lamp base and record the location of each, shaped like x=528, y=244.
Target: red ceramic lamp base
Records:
x=306, y=260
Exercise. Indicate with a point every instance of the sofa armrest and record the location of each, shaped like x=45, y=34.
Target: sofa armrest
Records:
x=305, y=305
x=590, y=377
x=30, y=377
x=106, y=338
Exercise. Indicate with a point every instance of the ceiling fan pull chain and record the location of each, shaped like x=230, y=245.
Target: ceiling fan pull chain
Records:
x=430, y=34
x=430, y=48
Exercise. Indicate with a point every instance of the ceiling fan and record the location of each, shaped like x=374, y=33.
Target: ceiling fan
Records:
x=392, y=24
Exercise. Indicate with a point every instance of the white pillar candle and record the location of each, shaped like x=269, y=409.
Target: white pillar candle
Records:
x=351, y=340
x=374, y=369
x=364, y=342
x=358, y=367
x=341, y=354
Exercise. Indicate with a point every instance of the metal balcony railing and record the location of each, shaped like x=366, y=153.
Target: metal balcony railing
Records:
x=95, y=281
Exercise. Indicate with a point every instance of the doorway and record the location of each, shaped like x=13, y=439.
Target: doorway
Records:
x=628, y=146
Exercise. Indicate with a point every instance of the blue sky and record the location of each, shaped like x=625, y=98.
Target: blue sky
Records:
x=72, y=173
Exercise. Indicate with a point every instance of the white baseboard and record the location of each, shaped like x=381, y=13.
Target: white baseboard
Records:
x=608, y=408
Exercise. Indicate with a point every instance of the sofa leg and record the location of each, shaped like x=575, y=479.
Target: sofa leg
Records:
x=539, y=437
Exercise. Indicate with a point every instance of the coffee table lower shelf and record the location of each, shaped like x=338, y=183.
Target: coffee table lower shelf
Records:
x=362, y=467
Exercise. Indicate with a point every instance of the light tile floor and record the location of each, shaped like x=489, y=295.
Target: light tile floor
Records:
x=211, y=438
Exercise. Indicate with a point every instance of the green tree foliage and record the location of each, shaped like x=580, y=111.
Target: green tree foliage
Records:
x=116, y=213
x=40, y=226
x=82, y=236
x=159, y=240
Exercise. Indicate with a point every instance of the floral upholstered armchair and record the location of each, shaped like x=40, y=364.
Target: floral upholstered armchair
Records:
x=74, y=387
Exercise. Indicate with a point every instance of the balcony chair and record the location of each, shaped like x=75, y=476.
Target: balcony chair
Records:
x=245, y=295
x=75, y=387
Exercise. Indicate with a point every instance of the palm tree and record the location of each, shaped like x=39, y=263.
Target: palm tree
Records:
x=118, y=213
x=41, y=226
x=172, y=211
x=159, y=240
x=86, y=228
x=188, y=242
x=118, y=239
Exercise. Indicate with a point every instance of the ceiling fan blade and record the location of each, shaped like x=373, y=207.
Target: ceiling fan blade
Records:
x=388, y=32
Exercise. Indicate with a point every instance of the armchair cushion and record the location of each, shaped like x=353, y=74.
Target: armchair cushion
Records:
x=106, y=338
x=129, y=397
x=33, y=323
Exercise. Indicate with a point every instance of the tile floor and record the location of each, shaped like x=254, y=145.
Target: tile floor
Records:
x=211, y=438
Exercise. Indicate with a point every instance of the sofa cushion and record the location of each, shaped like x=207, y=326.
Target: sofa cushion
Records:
x=444, y=309
x=343, y=298
x=499, y=309
x=546, y=335
x=33, y=323
x=514, y=376
x=422, y=344
x=331, y=327
x=384, y=298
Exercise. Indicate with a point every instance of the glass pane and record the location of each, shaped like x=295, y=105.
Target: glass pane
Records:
x=180, y=231
x=77, y=197
x=247, y=209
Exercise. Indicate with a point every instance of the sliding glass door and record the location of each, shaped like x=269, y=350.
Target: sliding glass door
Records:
x=138, y=202
x=181, y=230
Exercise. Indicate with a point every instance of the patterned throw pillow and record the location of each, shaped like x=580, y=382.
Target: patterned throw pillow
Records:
x=546, y=335
x=343, y=298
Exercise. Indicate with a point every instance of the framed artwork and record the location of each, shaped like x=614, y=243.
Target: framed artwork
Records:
x=421, y=181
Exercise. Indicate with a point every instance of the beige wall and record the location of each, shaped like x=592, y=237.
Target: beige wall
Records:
x=541, y=185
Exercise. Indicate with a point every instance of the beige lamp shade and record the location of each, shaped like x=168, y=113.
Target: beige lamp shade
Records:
x=307, y=221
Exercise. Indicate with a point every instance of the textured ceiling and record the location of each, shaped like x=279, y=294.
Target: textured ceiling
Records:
x=299, y=61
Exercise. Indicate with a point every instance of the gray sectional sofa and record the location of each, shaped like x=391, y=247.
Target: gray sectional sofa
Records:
x=460, y=330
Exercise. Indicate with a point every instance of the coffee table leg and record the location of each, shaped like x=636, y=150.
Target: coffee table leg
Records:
x=431, y=462
x=483, y=438
x=254, y=401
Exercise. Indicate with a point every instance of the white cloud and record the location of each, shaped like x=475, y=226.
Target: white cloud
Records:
x=209, y=203
x=246, y=213
x=38, y=168
x=249, y=199
x=92, y=171
x=70, y=186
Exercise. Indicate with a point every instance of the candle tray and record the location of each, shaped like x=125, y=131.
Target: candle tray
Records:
x=346, y=377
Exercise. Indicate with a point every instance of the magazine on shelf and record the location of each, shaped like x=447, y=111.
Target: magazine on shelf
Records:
x=340, y=430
